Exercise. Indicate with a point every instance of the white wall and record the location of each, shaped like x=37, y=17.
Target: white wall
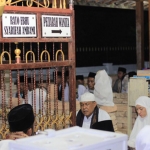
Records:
x=109, y=67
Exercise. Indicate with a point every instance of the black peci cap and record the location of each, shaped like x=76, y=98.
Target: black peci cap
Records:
x=122, y=69
x=79, y=77
x=21, y=118
x=92, y=75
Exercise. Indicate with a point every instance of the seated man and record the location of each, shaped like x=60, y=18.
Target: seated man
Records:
x=20, y=119
x=91, y=82
x=90, y=116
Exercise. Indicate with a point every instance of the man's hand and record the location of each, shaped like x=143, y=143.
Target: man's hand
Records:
x=16, y=135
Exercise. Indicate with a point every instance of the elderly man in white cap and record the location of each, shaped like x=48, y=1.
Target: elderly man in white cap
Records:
x=90, y=116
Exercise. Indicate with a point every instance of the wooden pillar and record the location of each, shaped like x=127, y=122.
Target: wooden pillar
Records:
x=149, y=29
x=139, y=34
x=72, y=72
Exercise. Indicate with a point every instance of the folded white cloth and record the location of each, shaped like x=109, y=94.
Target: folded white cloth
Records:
x=4, y=144
x=143, y=139
x=102, y=89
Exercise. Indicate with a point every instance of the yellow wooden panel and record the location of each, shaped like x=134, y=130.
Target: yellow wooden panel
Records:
x=143, y=72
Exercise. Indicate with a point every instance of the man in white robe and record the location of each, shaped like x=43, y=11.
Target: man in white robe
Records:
x=90, y=116
x=80, y=86
x=22, y=90
x=66, y=93
x=59, y=83
x=66, y=88
x=40, y=97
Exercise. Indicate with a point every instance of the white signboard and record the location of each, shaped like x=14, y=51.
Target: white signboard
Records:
x=56, y=26
x=19, y=25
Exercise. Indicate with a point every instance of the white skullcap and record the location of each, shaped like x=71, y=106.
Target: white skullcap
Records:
x=86, y=97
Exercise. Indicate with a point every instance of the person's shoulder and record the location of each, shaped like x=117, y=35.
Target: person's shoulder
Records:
x=104, y=113
x=81, y=86
x=41, y=89
x=126, y=77
x=86, y=90
x=142, y=138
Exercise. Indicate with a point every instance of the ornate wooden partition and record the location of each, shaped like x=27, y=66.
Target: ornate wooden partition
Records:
x=39, y=66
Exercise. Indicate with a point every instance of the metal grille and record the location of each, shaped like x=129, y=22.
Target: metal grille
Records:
x=38, y=60
x=41, y=91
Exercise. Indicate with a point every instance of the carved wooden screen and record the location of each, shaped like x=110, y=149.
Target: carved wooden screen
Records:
x=40, y=60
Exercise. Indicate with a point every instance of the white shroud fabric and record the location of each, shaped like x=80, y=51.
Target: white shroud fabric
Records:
x=4, y=144
x=102, y=89
x=110, y=79
x=140, y=122
x=143, y=139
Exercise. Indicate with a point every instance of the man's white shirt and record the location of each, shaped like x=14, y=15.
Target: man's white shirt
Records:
x=39, y=94
x=87, y=122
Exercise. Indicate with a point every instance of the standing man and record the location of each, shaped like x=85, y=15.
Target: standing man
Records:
x=90, y=116
x=59, y=83
x=66, y=88
x=80, y=86
x=40, y=96
x=119, y=83
x=22, y=91
x=91, y=82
